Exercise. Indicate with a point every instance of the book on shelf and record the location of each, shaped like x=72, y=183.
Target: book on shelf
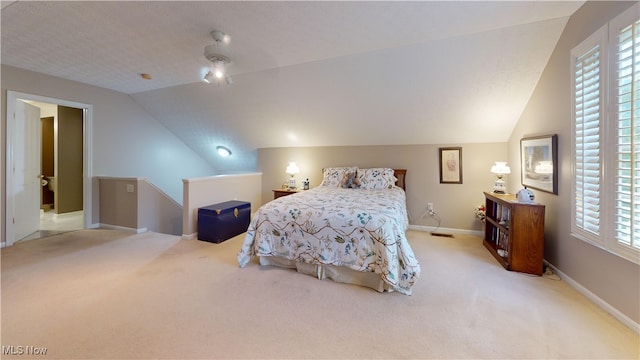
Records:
x=504, y=217
x=506, y=244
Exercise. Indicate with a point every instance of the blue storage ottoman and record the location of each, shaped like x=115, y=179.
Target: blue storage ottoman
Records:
x=220, y=222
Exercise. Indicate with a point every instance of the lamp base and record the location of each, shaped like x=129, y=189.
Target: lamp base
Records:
x=499, y=187
x=292, y=184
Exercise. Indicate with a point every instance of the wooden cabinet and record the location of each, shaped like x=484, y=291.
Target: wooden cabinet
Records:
x=283, y=192
x=514, y=233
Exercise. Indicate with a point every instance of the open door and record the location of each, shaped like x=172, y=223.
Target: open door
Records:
x=26, y=170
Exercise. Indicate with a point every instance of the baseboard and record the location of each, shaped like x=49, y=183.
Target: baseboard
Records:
x=190, y=236
x=68, y=214
x=3, y=244
x=122, y=228
x=597, y=300
x=430, y=229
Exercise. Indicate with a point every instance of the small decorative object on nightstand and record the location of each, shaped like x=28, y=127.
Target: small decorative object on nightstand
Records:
x=525, y=195
x=283, y=192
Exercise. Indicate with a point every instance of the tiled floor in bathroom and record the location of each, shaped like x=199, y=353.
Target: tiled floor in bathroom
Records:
x=52, y=223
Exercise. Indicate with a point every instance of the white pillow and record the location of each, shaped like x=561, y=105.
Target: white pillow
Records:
x=376, y=178
x=334, y=175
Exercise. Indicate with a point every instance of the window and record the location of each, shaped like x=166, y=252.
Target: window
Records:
x=587, y=127
x=606, y=142
x=626, y=96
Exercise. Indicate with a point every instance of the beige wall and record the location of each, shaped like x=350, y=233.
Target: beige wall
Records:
x=157, y=211
x=609, y=277
x=138, y=205
x=119, y=207
x=454, y=203
x=69, y=166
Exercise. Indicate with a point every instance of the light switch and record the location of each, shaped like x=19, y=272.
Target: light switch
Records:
x=129, y=188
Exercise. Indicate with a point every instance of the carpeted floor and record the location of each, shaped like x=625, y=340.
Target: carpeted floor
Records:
x=105, y=294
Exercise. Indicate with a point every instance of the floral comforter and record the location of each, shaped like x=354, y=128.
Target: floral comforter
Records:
x=363, y=230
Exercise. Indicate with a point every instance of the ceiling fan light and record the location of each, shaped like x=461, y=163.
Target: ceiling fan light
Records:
x=220, y=37
x=208, y=77
x=219, y=73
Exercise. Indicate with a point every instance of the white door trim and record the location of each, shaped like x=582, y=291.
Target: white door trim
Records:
x=12, y=97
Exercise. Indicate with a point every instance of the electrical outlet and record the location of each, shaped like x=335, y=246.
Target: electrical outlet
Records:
x=430, y=208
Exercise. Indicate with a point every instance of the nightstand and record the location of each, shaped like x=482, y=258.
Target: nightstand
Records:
x=284, y=192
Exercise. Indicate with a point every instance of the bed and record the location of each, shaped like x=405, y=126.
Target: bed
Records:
x=350, y=229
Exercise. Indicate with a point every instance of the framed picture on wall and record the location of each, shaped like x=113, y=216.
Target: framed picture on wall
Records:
x=539, y=163
x=451, y=165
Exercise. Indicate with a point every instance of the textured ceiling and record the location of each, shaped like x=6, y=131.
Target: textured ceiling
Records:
x=383, y=72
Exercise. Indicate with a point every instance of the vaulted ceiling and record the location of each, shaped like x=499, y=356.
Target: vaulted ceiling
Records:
x=307, y=73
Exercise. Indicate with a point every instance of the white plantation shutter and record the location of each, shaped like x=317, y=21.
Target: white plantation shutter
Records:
x=606, y=143
x=626, y=117
x=587, y=140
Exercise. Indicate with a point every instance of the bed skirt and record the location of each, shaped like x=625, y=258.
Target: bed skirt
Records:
x=335, y=273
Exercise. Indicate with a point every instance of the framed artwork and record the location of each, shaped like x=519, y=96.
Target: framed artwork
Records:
x=451, y=165
x=539, y=163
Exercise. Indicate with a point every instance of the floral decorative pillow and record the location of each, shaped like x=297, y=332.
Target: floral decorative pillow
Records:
x=376, y=178
x=333, y=176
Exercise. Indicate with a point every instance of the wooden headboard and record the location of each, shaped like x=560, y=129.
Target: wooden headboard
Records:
x=401, y=175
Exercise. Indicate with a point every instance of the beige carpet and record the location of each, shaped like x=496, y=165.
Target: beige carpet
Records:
x=111, y=295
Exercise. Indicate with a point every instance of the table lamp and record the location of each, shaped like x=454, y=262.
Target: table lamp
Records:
x=292, y=169
x=500, y=169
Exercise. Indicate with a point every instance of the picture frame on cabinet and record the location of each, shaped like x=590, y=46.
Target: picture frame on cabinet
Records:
x=539, y=163
x=450, y=165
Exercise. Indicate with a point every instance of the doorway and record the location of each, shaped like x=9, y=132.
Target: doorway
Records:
x=61, y=141
x=50, y=223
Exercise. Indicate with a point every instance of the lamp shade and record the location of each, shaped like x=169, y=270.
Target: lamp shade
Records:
x=500, y=168
x=292, y=168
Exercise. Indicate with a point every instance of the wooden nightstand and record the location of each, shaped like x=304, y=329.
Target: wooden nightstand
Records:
x=284, y=192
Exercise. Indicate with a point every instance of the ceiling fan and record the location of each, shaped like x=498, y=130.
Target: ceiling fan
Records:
x=214, y=54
